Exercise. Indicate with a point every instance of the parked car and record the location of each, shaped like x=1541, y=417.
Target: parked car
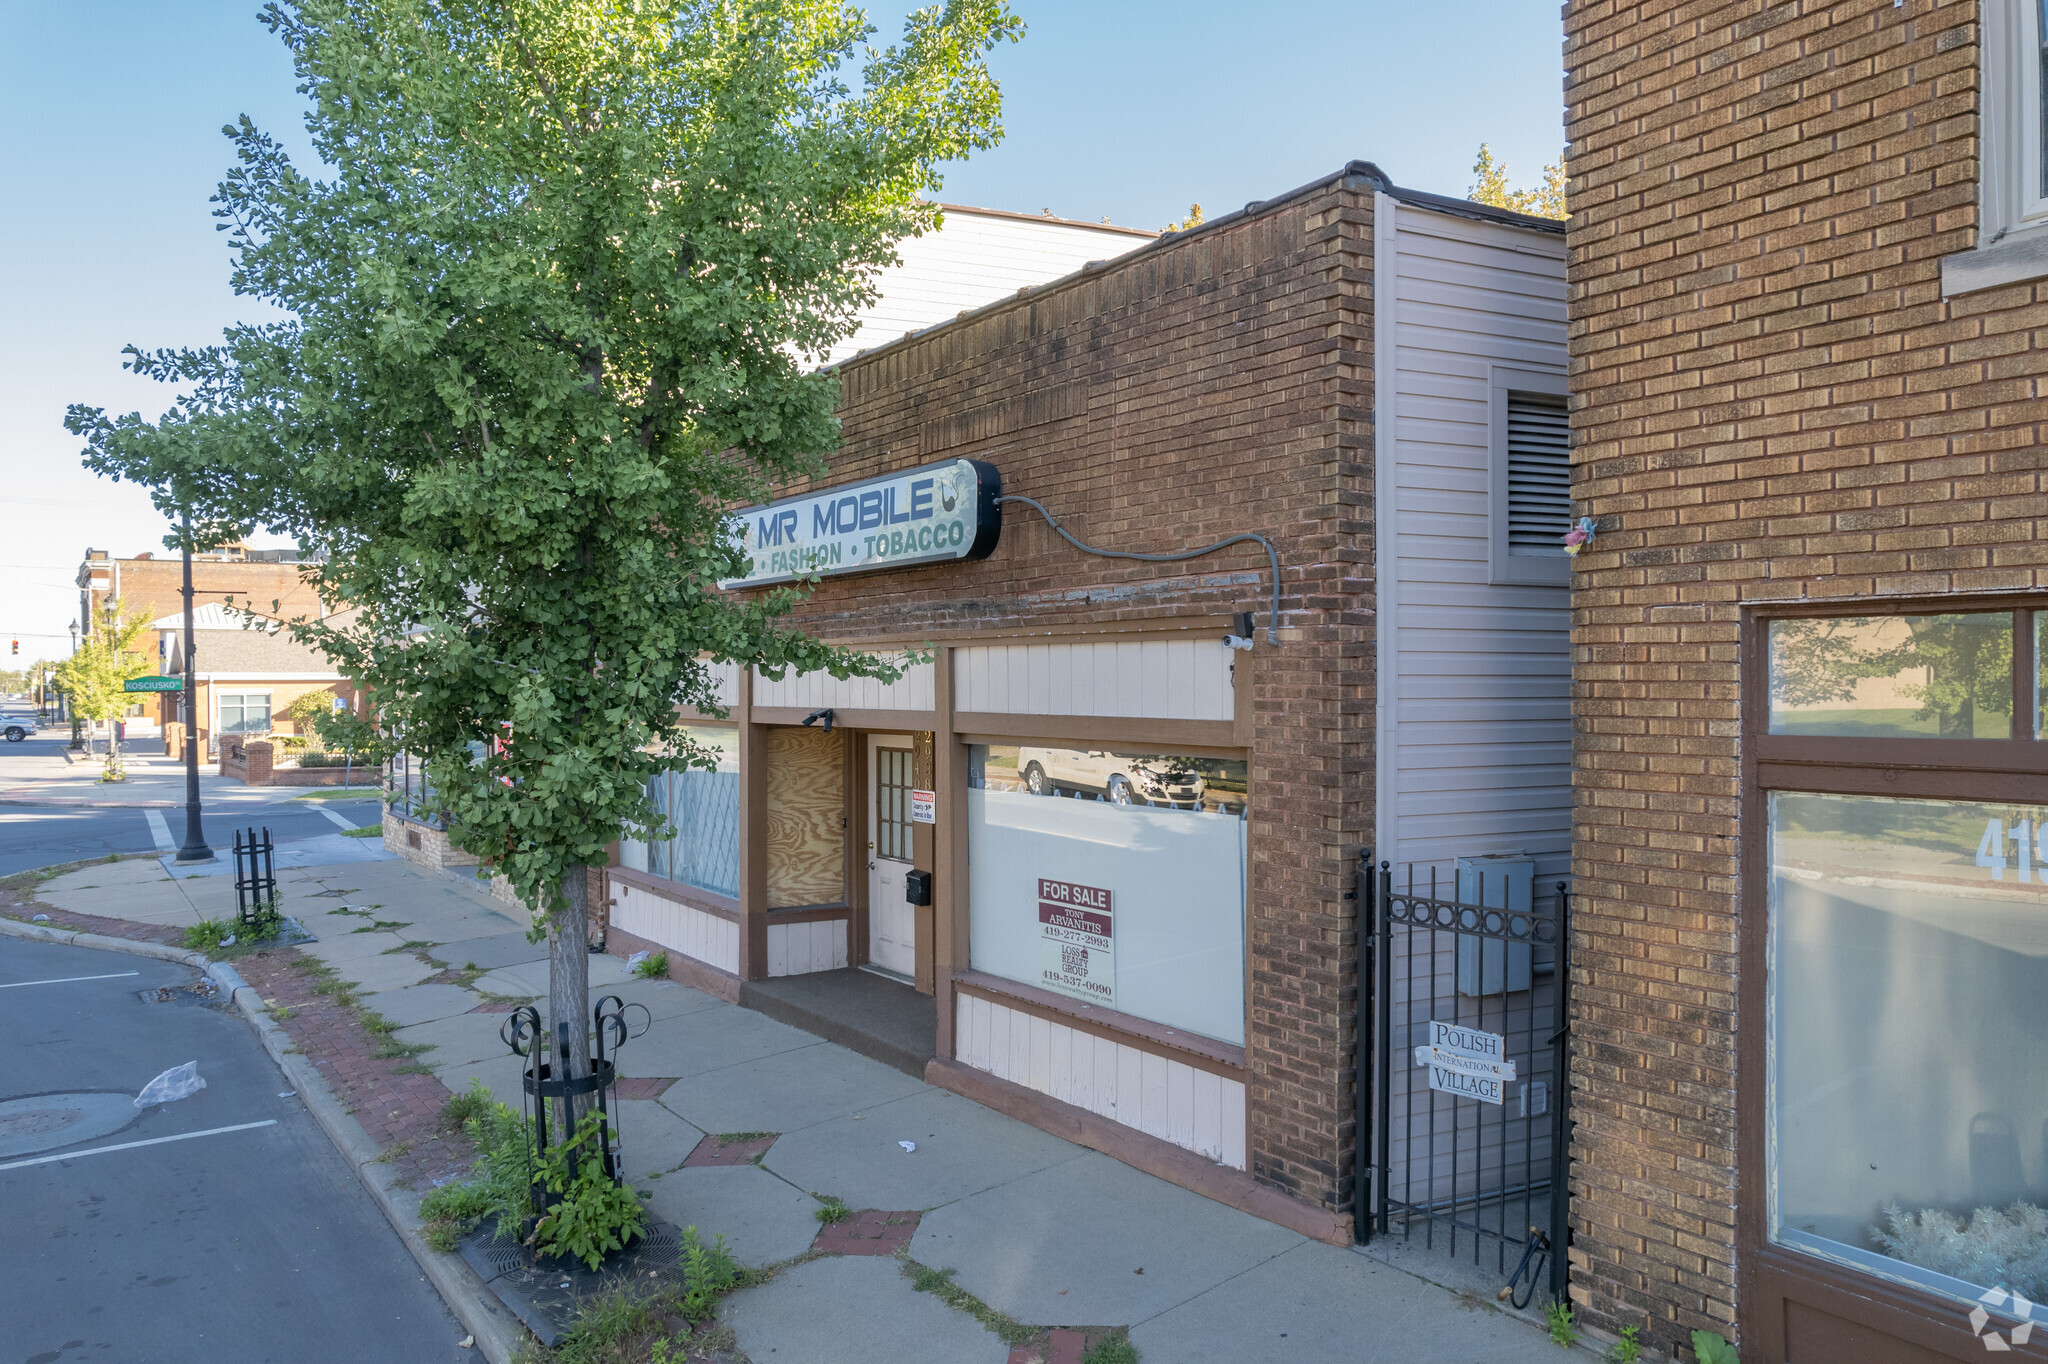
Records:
x=18, y=727
x=1121, y=778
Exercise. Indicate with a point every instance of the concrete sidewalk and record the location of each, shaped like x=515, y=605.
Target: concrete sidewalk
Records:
x=1048, y=1233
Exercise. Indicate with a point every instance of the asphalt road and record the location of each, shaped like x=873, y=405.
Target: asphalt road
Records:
x=252, y=1245
x=44, y=835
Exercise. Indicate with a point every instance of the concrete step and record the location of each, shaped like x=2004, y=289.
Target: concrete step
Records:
x=861, y=1011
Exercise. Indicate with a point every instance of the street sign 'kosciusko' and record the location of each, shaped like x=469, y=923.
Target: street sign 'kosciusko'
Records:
x=938, y=513
x=154, y=684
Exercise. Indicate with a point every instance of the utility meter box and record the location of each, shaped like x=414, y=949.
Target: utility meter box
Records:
x=1503, y=881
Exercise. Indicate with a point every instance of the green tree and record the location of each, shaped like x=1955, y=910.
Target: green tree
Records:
x=93, y=676
x=547, y=325
x=1964, y=663
x=1490, y=186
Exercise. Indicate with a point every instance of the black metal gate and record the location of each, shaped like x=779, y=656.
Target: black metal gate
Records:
x=1463, y=1078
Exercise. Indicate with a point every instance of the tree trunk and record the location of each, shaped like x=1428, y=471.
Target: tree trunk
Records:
x=569, y=987
x=113, y=748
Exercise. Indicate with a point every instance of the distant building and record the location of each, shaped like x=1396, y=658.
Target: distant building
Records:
x=264, y=580
x=978, y=256
x=246, y=678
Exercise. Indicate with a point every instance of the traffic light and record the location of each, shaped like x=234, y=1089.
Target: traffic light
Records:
x=17, y=647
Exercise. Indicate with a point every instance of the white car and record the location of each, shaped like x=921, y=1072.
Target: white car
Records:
x=1120, y=778
x=17, y=727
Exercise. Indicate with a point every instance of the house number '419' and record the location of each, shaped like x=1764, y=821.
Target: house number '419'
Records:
x=2027, y=839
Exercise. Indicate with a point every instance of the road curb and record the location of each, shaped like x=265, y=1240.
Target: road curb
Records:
x=498, y=1333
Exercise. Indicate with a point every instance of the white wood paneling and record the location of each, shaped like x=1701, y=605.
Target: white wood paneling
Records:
x=800, y=948
x=1194, y=1109
x=1475, y=676
x=1162, y=679
x=816, y=691
x=974, y=260
x=677, y=927
x=725, y=682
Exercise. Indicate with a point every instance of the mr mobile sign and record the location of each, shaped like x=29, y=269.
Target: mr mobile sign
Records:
x=936, y=514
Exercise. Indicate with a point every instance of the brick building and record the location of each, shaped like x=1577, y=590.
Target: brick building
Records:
x=1811, y=1033
x=1088, y=861
x=149, y=586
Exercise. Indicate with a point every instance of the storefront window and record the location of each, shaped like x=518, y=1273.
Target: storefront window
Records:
x=702, y=809
x=1114, y=876
x=1908, y=1040
x=1893, y=677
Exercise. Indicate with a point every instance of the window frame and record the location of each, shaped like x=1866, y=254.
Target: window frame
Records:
x=220, y=703
x=2012, y=199
x=1769, y=1275
x=1133, y=1028
x=1506, y=567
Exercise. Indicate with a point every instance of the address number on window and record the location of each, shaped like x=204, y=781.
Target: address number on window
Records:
x=2028, y=840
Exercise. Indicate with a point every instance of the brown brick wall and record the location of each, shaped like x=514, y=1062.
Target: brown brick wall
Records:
x=153, y=588
x=1219, y=385
x=1772, y=401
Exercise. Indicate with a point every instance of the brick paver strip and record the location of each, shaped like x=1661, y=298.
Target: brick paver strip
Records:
x=1060, y=1345
x=867, y=1232
x=401, y=1111
x=649, y=1087
x=93, y=923
x=712, y=1151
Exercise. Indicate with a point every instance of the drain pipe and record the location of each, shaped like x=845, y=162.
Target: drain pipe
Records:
x=1272, y=556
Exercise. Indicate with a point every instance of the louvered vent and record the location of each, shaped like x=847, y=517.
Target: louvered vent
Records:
x=1539, y=474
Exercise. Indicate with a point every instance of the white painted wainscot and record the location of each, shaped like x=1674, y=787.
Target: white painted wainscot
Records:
x=676, y=926
x=1195, y=1109
x=795, y=949
x=912, y=691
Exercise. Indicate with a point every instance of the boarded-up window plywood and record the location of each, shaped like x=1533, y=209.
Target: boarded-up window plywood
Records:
x=806, y=800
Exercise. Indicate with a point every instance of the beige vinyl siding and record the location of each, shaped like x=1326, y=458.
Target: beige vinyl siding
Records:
x=1475, y=674
x=1162, y=679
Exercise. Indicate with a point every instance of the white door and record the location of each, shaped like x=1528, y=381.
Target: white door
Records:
x=892, y=923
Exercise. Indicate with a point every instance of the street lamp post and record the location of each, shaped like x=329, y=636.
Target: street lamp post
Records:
x=195, y=849
x=77, y=733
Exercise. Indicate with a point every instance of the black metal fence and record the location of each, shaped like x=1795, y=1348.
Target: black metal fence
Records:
x=1463, y=1043
x=406, y=790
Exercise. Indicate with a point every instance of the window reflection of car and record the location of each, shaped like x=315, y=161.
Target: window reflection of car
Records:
x=1121, y=778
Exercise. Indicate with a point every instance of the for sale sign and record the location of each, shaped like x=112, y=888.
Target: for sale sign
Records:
x=1077, y=941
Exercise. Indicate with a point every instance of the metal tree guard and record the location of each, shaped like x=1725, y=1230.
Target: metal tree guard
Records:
x=255, y=882
x=523, y=1033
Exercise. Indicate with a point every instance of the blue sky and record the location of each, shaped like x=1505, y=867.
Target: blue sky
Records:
x=1130, y=109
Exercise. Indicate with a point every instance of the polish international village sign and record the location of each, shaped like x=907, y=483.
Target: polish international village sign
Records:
x=1466, y=1062
x=935, y=514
